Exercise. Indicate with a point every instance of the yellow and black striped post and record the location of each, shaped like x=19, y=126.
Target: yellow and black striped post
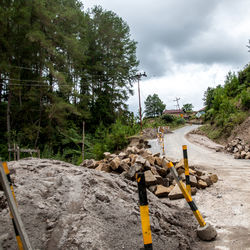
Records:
x=7, y=173
x=145, y=222
x=187, y=195
x=185, y=157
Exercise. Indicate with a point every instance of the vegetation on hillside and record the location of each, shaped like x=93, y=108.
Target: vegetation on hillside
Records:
x=59, y=66
x=227, y=105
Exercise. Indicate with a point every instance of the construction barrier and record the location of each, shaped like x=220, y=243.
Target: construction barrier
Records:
x=187, y=196
x=160, y=137
x=145, y=222
x=21, y=236
x=185, y=158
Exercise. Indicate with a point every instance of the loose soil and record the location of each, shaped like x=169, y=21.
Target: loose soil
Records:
x=68, y=207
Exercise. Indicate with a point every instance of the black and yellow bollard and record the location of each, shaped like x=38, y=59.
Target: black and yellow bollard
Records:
x=185, y=158
x=205, y=231
x=186, y=195
x=145, y=222
x=7, y=173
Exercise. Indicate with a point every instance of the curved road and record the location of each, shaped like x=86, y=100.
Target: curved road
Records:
x=226, y=204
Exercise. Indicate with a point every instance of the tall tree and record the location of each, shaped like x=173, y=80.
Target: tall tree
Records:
x=154, y=106
x=188, y=107
x=111, y=65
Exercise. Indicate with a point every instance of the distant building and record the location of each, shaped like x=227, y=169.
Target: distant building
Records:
x=176, y=112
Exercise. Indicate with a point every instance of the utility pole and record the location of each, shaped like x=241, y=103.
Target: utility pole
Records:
x=177, y=102
x=139, y=76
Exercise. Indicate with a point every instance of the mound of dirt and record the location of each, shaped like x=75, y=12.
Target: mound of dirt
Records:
x=68, y=207
x=242, y=131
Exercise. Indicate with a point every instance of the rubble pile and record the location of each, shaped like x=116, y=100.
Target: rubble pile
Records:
x=157, y=176
x=64, y=206
x=239, y=148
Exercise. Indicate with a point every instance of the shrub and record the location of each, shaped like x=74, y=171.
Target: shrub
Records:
x=168, y=118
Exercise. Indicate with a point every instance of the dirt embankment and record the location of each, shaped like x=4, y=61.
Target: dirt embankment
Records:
x=242, y=131
x=68, y=207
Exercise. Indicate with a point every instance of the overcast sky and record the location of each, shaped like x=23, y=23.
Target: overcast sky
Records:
x=184, y=46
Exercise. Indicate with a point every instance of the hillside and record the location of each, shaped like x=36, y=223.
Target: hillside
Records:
x=228, y=108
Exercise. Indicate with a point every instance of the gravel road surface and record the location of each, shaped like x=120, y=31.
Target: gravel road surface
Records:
x=227, y=203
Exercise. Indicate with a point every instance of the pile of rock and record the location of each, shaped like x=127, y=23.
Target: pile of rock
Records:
x=238, y=148
x=158, y=178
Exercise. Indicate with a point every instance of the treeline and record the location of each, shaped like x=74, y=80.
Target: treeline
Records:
x=228, y=105
x=61, y=65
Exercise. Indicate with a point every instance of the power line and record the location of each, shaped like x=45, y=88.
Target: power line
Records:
x=82, y=71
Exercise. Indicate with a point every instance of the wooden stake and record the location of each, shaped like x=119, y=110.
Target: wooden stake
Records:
x=83, y=137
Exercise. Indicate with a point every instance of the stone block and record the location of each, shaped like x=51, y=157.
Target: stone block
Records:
x=150, y=178
x=162, y=191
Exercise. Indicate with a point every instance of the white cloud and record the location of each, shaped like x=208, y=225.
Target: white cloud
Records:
x=187, y=81
x=184, y=46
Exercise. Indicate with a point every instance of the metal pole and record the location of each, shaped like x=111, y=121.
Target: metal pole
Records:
x=186, y=195
x=185, y=157
x=144, y=211
x=13, y=208
x=139, y=101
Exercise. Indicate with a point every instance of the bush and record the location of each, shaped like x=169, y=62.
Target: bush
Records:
x=245, y=99
x=180, y=121
x=168, y=118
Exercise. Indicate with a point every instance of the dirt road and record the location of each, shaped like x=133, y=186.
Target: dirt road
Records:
x=227, y=203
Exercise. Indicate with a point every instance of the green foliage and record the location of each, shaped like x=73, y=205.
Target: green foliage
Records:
x=61, y=65
x=168, y=118
x=228, y=105
x=113, y=138
x=154, y=106
x=188, y=107
x=245, y=98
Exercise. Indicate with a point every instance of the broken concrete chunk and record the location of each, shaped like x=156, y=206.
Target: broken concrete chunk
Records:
x=132, y=171
x=151, y=159
x=152, y=188
x=124, y=167
x=104, y=167
x=150, y=178
x=214, y=178
x=115, y=163
x=153, y=170
x=140, y=160
x=193, y=181
x=180, y=164
x=122, y=155
x=202, y=184
x=126, y=161
x=132, y=158
x=106, y=154
x=156, y=154
x=207, y=179
x=177, y=194
x=158, y=161
x=162, y=191
x=147, y=165
x=89, y=163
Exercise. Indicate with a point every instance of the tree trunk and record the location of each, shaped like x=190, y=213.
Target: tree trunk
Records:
x=83, y=138
x=40, y=112
x=8, y=119
x=39, y=122
x=1, y=87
